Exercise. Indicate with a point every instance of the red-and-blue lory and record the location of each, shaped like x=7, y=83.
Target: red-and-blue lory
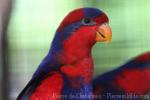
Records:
x=66, y=72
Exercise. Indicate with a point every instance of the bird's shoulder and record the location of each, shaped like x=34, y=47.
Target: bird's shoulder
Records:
x=49, y=88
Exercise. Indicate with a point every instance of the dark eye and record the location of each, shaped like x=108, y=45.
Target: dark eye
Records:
x=87, y=21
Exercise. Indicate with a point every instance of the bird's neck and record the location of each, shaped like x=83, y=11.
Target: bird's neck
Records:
x=79, y=73
x=77, y=65
x=77, y=61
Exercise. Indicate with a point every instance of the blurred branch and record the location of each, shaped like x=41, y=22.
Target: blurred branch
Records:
x=5, y=9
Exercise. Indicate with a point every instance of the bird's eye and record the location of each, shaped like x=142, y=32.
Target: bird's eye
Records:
x=87, y=21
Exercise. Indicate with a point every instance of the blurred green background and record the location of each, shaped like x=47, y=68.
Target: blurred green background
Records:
x=33, y=24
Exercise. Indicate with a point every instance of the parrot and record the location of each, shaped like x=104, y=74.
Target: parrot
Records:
x=67, y=69
x=66, y=72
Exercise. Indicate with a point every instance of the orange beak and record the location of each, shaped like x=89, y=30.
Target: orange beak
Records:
x=104, y=33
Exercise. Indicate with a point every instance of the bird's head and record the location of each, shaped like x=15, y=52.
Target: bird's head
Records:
x=80, y=30
x=89, y=24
